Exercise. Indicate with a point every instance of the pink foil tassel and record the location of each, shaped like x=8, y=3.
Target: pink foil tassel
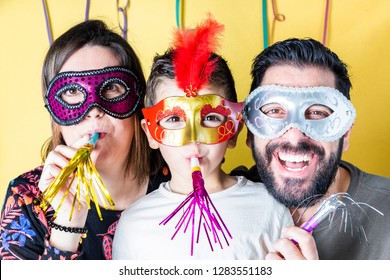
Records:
x=200, y=212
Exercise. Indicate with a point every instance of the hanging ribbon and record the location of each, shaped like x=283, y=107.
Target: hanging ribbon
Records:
x=178, y=13
x=48, y=22
x=87, y=10
x=123, y=11
x=277, y=17
x=324, y=35
x=265, y=24
x=281, y=17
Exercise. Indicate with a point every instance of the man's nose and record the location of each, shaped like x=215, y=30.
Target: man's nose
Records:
x=294, y=135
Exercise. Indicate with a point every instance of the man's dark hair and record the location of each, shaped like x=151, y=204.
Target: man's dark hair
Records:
x=300, y=53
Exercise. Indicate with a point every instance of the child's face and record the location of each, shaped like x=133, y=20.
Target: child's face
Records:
x=177, y=119
x=178, y=156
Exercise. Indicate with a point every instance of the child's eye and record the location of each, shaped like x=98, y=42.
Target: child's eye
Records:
x=172, y=122
x=72, y=96
x=213, y=120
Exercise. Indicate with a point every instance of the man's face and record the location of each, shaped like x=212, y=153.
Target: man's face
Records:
x=294, y=166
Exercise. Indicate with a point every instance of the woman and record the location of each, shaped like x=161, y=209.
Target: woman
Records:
x=110, y=106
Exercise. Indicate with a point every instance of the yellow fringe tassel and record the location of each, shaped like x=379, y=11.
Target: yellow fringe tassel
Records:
x=89, y=183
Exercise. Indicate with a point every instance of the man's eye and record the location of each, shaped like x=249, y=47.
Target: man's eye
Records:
x=273, y=111
x=318, y=112
x=213, y=120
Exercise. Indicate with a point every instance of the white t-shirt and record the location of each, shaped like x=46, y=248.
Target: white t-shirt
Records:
x=253, y=217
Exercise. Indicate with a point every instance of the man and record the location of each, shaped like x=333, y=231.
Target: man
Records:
x=300, y=118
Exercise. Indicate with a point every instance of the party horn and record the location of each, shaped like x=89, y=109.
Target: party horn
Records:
x=200, y=212
x=89, y=182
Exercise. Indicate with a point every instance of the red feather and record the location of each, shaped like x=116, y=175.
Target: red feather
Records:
x=193, y=48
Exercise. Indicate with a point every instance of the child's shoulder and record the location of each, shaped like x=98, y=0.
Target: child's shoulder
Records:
x=148, y=199
x=244, y=181
x=247, y=185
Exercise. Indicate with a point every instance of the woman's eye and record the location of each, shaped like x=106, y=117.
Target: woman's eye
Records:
x=213, y=120
x=71, y=91
x=172, y=122
x=72, y=96
x=113, y=90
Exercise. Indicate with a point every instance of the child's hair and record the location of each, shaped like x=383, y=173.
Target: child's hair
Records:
x=96, y=33
x=163, y=68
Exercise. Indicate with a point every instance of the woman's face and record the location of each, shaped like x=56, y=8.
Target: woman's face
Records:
x=116, y=135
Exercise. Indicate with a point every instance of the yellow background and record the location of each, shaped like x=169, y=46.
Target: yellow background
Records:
x=358, y=32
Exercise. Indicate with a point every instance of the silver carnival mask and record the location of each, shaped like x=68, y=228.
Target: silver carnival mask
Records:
x=322, y=113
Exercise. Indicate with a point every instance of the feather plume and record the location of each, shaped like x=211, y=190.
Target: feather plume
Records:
x=192, y=50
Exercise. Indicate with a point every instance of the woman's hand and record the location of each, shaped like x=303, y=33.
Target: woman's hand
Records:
x=286, y=249
x=55, y=162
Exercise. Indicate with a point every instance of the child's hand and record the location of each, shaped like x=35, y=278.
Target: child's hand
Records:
x=286, y=249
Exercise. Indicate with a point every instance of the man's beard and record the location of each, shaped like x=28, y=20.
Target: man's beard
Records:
x=291, y=194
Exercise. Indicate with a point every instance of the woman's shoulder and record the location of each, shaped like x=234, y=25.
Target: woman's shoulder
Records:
x=26, y=183
x=30, y=177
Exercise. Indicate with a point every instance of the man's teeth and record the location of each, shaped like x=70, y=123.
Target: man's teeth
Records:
x=295, y=162
x=294, y=158
x=295, y=169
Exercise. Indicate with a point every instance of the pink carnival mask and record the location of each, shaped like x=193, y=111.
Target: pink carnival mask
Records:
x=71, y=95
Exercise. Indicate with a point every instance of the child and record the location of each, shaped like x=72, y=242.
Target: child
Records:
x=193, y=117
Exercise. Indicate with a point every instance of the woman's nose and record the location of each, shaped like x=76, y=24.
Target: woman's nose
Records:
x=95, y=112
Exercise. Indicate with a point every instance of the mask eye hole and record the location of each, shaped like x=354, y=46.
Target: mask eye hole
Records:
x=274, y=110
x=172, y=122
x=172, y=118
x=72, y=96
x=214, y=116
x=213, y=120
x=318, y=112
x=112, y=89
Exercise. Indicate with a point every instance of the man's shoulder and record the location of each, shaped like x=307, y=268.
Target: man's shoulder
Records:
x=356, y=172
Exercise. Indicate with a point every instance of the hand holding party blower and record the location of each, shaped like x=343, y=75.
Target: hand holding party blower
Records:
x=89, y=182
x=349, y=207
